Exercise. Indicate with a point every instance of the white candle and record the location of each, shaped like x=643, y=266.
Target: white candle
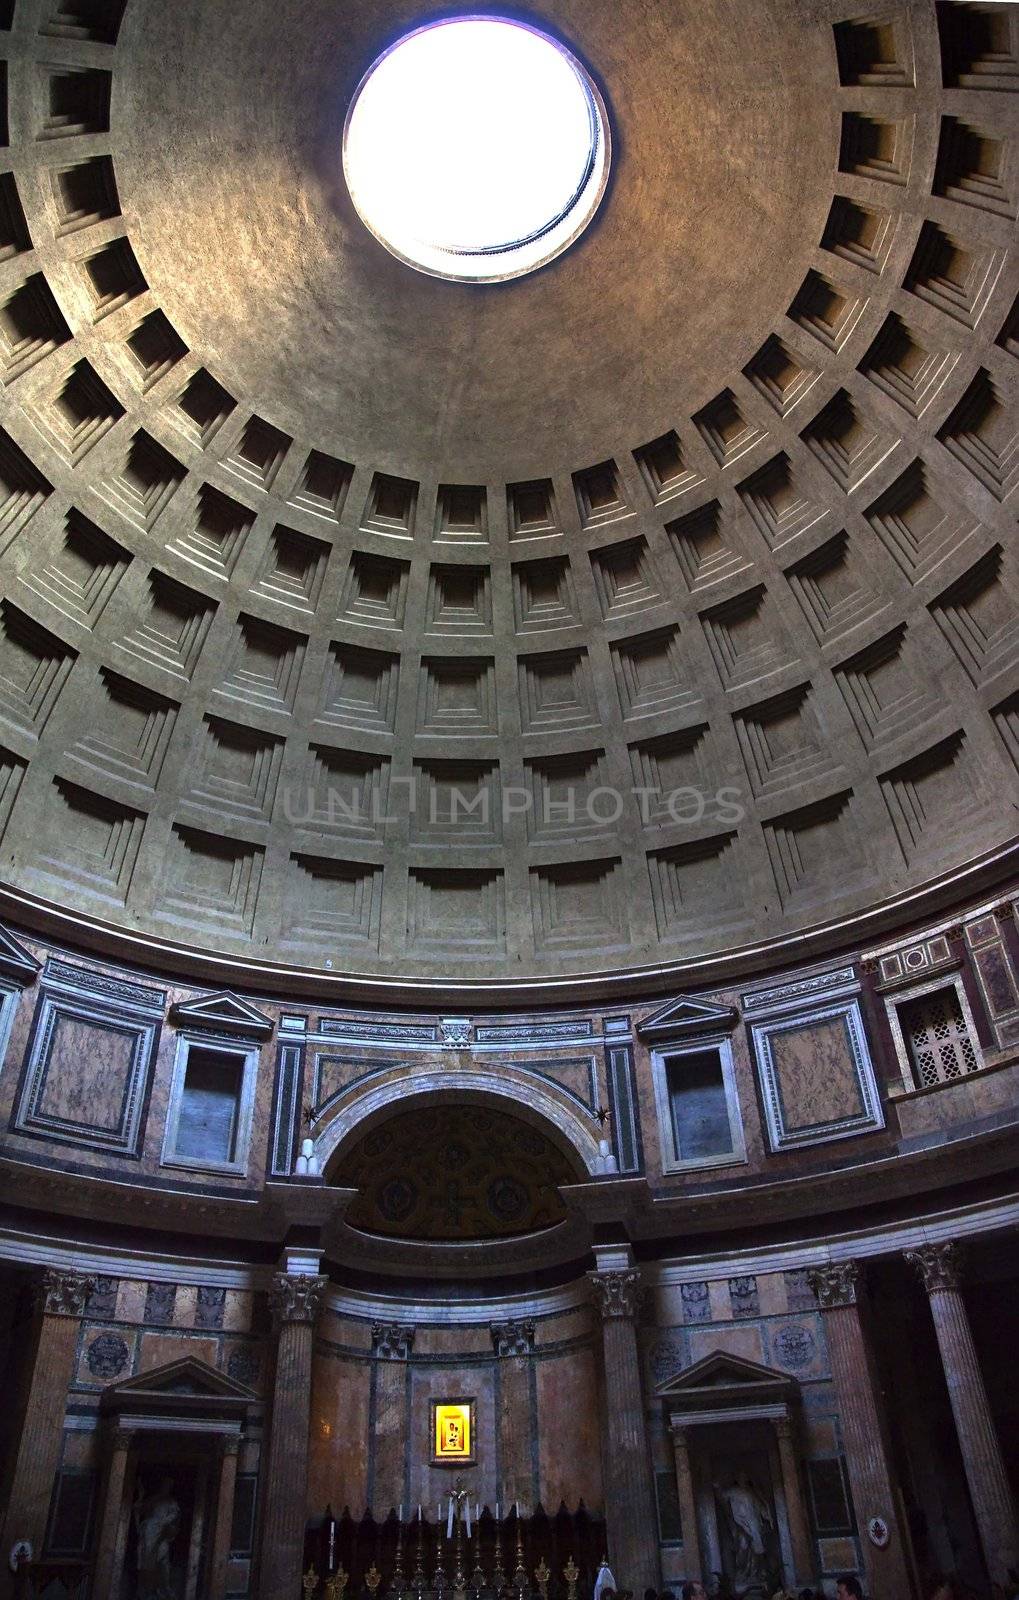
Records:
x=517, y=1503
x=449, y=1519
x=401, y=1510
x=419, y=1510
x=497, y=1511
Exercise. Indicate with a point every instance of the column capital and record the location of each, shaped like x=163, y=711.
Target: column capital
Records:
x=296, y=1297
x=230, y=1445
x=392, y=1341
x=835, y=1284
x=783, y=1426
x=939, y=1265
x=63, y=1294
x=618, y=1293
x=513, y=1338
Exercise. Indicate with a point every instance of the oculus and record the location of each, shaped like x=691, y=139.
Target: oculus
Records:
x=476, y=149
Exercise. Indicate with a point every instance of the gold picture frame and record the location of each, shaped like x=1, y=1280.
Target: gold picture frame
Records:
x=452, y=1432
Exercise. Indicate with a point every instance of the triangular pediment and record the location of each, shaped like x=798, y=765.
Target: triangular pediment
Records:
x=15, y=960
x=222, y=1013
x=687, y=1017
x=187, y=1384
x=723, y=1374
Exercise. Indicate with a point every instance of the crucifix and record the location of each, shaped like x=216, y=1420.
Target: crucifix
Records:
x=459, y=1513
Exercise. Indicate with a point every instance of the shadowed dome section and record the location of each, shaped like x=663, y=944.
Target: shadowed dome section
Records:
x=454, y=1173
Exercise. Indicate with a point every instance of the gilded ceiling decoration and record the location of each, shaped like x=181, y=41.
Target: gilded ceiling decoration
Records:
x=454, y=1173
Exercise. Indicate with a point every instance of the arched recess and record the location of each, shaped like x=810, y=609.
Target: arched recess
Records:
x=551, y=1110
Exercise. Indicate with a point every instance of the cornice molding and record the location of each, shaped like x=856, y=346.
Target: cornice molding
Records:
x=988, y=875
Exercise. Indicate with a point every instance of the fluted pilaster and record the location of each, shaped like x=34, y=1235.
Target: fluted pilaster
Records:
x=60, y=1302
x=939, y=1267
x=296, y=1300
x=890, y=1570
x=630, y=1497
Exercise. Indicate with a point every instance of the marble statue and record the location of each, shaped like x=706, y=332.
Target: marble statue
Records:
x=748, y=1517
x=156, y=1520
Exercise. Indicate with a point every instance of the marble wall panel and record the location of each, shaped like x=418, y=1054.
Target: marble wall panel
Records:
x=431, y=1484
x=569, y=1429
x=338, y=1459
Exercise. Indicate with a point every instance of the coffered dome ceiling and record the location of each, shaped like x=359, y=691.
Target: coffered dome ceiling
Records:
x=696, y=546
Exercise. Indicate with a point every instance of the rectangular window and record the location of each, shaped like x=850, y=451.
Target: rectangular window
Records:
x=700, y=1110
x=209, y=1117
x=209, y=1106
x=698, y=1107
x=936, y=1037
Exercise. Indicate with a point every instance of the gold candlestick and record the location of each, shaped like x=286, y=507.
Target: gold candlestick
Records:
x=418, y=1582
x=520, y=1571
x=439, y=1577
x=372, y=1579
x=336, y=1585
x=397, y=1585
x=498, y=1574
x=459, y=1575
x=309, y=1583
x=477, y=1576
x=571, y=1572
x=541, y=1577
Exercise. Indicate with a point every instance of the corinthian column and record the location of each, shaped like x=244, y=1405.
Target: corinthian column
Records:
x=59, y=1303
x=884, y=1536
x=296, y=1299
x=993, y=1506
x=630, y=1496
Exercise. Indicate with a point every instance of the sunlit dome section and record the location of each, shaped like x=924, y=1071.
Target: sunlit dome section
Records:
x=476, y=149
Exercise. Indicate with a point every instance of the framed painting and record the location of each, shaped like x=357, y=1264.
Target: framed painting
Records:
x=452, y=1430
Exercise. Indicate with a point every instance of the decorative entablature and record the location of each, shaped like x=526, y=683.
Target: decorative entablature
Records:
x=919, y=960
x=180, y=1396
x=224, y=1014
x=687, y=1018
x=16, y=963
x=726, y=1387
x=798, y=995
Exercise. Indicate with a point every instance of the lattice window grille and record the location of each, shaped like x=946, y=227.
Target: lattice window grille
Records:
x=938, y=1040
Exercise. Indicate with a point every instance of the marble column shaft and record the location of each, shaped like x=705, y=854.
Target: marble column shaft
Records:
x=106, y=1569
x=799, y=1532
x=296, y=1300
x=224, y=1519
x=990, y=1492
x=687, y=1504
x=61, y=1298
x=889, y=1571
x=630, y=1509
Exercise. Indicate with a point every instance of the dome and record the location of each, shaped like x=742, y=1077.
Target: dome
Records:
x=652, y=606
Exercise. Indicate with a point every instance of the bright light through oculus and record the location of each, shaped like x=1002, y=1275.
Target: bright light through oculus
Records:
x=476, y=149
